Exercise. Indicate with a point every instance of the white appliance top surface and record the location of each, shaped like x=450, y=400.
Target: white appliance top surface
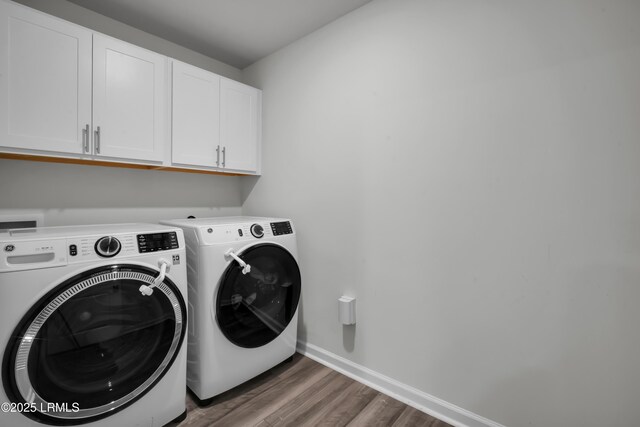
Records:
x=204, y=222
x=19, y=234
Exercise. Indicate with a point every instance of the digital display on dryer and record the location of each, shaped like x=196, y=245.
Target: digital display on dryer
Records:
x=157, y=242
x=279, y=228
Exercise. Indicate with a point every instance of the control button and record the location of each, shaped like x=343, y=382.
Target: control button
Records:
x=257, y=230
x=108, y=246
x=240, y=232
x=9, y=248
x=209, y=230
x=73, y=250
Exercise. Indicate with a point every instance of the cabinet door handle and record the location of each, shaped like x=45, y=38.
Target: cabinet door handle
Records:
x=97, y=139
x=85, y=139
x=224, y=156
x=218, y=156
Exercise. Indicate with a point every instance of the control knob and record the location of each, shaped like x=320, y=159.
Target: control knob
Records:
x=257, y=230
x=108, y=246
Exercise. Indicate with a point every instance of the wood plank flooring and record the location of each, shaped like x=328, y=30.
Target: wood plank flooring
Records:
x=304, y=393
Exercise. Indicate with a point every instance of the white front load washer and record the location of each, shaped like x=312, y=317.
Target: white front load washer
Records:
x=93, y=326
x=244, y=289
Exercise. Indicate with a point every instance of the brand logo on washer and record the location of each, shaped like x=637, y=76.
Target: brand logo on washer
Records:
x=9, y=248
x=176, y=259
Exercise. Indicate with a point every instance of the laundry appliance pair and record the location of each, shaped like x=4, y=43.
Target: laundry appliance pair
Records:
x=94, y=320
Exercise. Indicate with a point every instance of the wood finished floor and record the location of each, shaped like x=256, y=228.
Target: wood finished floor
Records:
x=304, y=393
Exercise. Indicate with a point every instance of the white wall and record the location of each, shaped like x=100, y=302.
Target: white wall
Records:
x=75, y=194
x=71, y=194
x=90, y=19
x=470, y=172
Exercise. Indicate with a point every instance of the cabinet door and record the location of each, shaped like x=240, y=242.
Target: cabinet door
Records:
x=196, y=116
x=129, y=100
x=45, y=81
x=239, y=137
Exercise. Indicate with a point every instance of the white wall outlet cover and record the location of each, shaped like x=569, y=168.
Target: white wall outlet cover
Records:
x=347, y=307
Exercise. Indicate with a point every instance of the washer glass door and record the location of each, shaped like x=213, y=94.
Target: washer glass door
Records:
x=253, y=309
x=94, y=345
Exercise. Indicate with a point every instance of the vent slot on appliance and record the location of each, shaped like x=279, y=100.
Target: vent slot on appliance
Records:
x=8, y=225
x=30, y=259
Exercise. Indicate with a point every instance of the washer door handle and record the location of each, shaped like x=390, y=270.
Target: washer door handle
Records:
x=148, y=290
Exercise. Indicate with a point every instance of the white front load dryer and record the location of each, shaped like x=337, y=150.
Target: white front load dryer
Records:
x=93, y=325
x=244, y=289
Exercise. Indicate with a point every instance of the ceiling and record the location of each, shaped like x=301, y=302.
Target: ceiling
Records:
x=237, y=32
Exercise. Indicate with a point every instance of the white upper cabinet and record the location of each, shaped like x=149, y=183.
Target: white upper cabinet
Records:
x=239, y=126
x=195, y=116
x=129, y=100
x=45, y=81
x=67, y=91
x=215, y=121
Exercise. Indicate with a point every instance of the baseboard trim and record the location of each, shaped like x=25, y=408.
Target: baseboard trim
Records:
x=431, y=405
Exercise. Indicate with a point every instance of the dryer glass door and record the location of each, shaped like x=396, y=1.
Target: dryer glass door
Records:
x=94, y=345
x=253, y=309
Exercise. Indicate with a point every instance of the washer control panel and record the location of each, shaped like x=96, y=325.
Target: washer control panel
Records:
x=82, y=249
x=106, y=247
x=157, y=242
x=30, y=255
x=28, y=252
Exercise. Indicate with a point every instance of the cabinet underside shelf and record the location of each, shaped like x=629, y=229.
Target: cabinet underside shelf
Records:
x=73, y=161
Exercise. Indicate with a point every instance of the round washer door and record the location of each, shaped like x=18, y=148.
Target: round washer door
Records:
x=94, y=345
x=253, y=309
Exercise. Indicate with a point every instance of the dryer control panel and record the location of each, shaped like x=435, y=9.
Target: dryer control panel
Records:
x=260, y=230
